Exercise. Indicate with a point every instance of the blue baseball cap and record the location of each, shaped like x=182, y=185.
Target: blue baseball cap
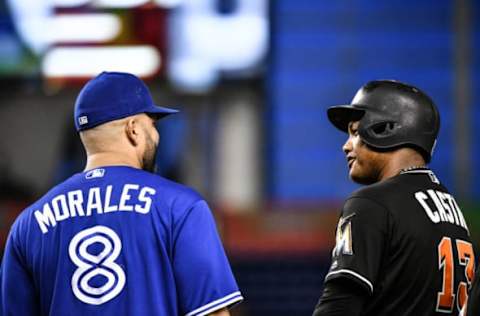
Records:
x=111, y=96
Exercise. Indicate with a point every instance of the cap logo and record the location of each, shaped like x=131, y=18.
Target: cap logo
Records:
x=82, y=120
x=111, y=96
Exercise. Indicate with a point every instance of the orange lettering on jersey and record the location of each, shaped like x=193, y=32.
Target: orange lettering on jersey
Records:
x=467, y=259
x=446, y=297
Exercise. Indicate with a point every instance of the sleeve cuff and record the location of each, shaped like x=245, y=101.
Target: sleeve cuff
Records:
x=223, y=302
x=351, y=275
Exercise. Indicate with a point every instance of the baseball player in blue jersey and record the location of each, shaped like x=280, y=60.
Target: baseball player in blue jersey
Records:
x=117, y=239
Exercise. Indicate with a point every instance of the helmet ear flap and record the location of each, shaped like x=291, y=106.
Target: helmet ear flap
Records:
x=382, y=129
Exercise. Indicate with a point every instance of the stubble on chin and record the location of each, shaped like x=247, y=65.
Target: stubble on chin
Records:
x=364, y=177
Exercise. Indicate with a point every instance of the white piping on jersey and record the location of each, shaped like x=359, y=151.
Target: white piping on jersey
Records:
x=220, y=303
x=417, y=171
x=355, y=274
x=216, y=308
x=430, y=173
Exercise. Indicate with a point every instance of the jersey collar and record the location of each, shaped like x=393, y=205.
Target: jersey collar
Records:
x=415, y=169
x=421, y=170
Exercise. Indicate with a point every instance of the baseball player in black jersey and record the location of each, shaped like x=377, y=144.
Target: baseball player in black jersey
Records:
x=402, y=243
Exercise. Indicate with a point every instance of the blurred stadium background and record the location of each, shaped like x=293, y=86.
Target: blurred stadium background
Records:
x=253, y=79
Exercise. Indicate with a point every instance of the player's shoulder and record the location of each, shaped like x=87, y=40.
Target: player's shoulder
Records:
x=181, y=200
x=124, y=174
x=369, y=204
x=380, y=196
x=175, y=195
x=51, y=193
x=378, y=191
x=167, y=192
x=24, y=219
x=168, y=188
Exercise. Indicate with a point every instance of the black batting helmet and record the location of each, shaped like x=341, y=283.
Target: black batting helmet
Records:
x=391, y=114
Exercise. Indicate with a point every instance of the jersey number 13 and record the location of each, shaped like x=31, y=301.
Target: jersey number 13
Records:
x=447, y=262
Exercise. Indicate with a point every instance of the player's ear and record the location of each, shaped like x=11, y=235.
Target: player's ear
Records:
x=132, y=128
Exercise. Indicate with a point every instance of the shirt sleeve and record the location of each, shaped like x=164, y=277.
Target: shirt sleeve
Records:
x=360, y=242
x=17, y=291
x=340, y=298
x=205, y=282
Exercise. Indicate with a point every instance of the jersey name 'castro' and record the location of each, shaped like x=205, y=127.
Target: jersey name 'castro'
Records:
x=441, y=207
x=95, y=201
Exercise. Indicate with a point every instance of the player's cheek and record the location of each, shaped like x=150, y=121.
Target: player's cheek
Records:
x=154, y=135
x=359, y=167
x=354, y=143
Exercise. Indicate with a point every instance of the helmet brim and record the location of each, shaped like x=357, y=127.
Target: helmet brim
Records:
x=341, y=115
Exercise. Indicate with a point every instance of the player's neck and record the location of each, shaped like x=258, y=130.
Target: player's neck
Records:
x=110, y=159
x=400, y=161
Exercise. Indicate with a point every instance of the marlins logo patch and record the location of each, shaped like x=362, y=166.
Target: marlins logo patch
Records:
x=343, y=243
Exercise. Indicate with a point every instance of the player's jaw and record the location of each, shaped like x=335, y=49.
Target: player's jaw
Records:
x=361, y=160
x=150, y=155
x=363, y=170
x=151, y=145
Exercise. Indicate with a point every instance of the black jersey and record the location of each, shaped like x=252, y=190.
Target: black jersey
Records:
x=473, y=305
x=406, y=242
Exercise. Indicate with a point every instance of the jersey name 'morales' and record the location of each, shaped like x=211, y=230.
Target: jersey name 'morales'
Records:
x=445, y=208
x=80, y=203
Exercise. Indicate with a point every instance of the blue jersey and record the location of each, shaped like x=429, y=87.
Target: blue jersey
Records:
x=116, y=241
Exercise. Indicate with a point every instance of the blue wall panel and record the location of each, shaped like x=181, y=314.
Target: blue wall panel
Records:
x=322, y=52
x=476, y=98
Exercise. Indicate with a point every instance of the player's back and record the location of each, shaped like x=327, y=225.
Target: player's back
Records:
x=427, y=254
x=113, y=241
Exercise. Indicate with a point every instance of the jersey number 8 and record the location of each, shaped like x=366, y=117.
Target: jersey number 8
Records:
x=93, y=265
